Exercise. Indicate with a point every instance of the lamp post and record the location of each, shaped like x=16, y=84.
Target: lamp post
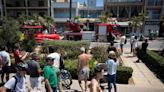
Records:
x=70, y=9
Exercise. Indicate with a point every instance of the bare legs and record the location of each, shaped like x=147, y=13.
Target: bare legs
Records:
x=83, y=85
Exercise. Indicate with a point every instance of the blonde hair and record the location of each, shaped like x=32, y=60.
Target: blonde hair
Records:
x=112, y=53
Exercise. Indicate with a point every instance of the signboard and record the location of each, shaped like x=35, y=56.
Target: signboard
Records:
x=152, y=22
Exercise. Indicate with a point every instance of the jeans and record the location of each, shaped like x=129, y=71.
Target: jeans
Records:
x=112, y=79
x=53, y=88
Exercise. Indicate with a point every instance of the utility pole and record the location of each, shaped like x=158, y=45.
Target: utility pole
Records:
x=49, y=7
x=5, y=7
x=1, y=8
x=70, y=9
x=26, y=5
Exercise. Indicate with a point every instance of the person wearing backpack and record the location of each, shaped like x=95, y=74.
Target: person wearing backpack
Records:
x=17, y=82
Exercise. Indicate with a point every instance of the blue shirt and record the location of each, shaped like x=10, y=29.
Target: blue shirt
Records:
x=111, y=66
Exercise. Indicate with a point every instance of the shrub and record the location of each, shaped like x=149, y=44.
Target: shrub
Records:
x=9, y=32
x=123, y=74
x=71, y=66
x=155, y=62
x=100, y=54
x=72, y=48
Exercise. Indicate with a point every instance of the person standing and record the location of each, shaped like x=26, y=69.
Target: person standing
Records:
x=98, y=74
x=134, y=45
x=131, y=42
x=144, y=49
x=111, y=47
x=112, y=64
x=18, y=82
x=58, y=65
x=34, y=71
x=83, y=69
x=122, y=42
x=50, y=76
x=6, y=63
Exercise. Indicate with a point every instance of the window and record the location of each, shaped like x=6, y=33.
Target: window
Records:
x=18, y=14
x=17, y=3
x=40, y=3
x=41, y=14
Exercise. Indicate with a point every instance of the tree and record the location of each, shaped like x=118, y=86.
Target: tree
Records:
x=35, y=20
x=104, y=16
x=9, y=32
x=137, y=21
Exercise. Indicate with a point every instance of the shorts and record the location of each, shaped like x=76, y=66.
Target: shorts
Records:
x=83, y=74
x=35, y=82
x=6, y=69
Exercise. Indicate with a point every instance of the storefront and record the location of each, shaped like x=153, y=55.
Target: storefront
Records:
x=151, y=26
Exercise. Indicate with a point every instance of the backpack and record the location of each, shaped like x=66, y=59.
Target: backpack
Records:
x=11, y=90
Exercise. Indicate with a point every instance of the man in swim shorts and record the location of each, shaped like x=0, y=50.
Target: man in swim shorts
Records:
x=83, y=69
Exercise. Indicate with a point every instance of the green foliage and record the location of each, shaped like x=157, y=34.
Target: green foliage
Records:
x=104, y=16
x=100, y=53
x=71, y=49
x=154, y=61
x=123, y=74
x=137, y=21
x=9, y=32
x=71, y=66
x=35, y=20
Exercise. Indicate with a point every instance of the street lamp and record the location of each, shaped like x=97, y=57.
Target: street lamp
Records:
x=70, y=9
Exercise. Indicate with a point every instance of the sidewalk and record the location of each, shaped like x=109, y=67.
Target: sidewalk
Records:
x=142, y=75
x=144, y=79
x=120, y=88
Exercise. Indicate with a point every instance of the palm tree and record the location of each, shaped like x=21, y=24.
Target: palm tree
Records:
x=104, y=16
x=137, y=21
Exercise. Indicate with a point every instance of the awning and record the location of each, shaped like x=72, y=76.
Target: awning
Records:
x=123, y=24
x=34, y=27
x=83, y=20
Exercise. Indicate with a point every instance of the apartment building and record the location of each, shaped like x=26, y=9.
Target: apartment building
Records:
x=14, y=8
x=154, y=10
x=126, y=9
x=60, y=10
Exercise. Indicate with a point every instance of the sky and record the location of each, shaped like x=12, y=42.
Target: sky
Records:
x=98, y=3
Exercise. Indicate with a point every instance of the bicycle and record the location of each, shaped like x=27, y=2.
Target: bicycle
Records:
x=66, y=78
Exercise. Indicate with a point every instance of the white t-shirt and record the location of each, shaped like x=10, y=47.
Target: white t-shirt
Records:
x=132, y=39
x=122, y=40
x=112, y=66
x=5, y=57
x=56, y=57
x=20, y=85
x=134, y=44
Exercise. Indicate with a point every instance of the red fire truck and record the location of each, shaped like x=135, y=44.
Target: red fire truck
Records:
x=105, y=30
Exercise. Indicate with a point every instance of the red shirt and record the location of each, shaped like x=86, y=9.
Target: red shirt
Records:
x=17, y=57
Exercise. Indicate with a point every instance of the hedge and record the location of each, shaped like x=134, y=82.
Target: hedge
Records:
x=71, y=49
x=154, y=61
x=123, y=73
x=100, y=54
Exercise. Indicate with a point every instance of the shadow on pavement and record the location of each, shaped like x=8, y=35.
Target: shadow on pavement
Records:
x=130, y=56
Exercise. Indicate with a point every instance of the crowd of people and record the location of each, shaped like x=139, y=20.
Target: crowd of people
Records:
x=50, y=74
x=29, y=63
